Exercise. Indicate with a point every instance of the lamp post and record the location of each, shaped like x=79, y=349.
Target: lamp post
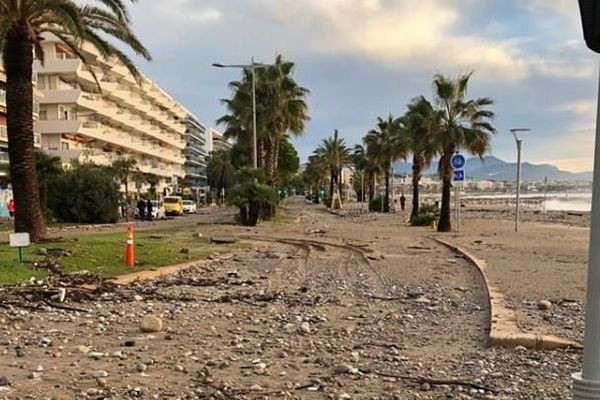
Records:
x=519, y=142
x=252, y=68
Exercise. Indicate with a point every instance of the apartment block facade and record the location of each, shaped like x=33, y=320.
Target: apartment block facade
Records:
x=195, y=153
x=125, y=118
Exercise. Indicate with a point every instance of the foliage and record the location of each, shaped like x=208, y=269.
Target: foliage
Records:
x=428, y=213
x=85, y=193
x=23, y=25
x=464, y=125
x=288, y=163
x=46, y=167
x=251, y=195
x=334, y=155
x=281, y=109
x=220, y=170
x=375, y=204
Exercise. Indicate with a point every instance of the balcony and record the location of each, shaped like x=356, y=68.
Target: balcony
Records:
x=3, y=157
x=3, y=97
x=3, y=134
x=57, y=66
x=60, y=96
x=57, y=126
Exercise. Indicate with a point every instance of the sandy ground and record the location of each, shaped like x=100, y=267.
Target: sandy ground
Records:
x=325, y=307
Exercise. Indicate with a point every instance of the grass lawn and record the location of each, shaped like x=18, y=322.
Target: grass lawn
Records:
x=103, y=253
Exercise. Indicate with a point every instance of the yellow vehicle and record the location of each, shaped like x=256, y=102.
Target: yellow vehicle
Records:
x=173, y=205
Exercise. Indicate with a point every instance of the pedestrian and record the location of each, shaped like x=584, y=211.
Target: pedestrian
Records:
x=141, y=206
x=402, y=202
x=149, y=209
x=10, y=207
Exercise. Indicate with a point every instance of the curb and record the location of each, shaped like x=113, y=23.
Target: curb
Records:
x=504, y=331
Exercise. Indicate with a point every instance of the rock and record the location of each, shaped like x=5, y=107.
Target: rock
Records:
x=100, y=374
x=39, y=368
x=102, y=382
x=222, y=240
x=179, y=368
x=34, y=375
x=96, y=355
x=4, y=381
x=20, y=352
x=544, y=305
x=129, y=343
x=345, y=369
x=42, y=252
x=137, y=297
x=425, y=387
x=344, y=396
x=141, y=367
x=422, y=300
x=83, y=349
x=305, y=327
x=255, y=388
x=62, y=396
x=184, y=250
x=151, y=323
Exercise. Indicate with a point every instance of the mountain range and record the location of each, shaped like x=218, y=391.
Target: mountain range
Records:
x=495, y=169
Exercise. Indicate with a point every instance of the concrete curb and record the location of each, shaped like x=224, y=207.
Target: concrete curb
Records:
x=504, y=331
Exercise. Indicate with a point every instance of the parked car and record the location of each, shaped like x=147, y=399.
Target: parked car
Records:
x=173, y=205
x=189, y=207
x=158, y=210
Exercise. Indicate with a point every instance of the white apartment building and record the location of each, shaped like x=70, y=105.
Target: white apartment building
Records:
x=125, y=119
x=195, y=153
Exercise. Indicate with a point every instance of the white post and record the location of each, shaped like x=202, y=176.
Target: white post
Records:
x=519, y=146
x=362, y=192
x=586, y=385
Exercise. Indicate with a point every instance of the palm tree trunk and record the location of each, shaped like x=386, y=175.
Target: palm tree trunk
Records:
x=446, y=174
x=416, y=178
x=387, y=189
x=18, y=61
x=371, y=187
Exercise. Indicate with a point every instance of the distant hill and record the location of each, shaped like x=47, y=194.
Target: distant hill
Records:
x=493, y=168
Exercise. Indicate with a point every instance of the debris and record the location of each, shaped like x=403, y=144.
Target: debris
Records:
x=151, y=323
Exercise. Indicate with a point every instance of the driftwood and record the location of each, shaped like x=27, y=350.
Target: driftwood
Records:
x=434, y=381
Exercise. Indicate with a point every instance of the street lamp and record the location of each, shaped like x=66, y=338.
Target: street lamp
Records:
x=252, y=68
x=519, y=142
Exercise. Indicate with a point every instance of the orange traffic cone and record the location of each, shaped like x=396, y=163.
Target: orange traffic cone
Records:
x=129, y=254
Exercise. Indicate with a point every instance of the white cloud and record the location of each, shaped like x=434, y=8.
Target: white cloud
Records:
x=582, y=107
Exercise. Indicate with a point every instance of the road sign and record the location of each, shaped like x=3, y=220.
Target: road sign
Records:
x=458, y=175
x=458, y=161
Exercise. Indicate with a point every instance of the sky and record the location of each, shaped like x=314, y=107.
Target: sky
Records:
x=366, y=58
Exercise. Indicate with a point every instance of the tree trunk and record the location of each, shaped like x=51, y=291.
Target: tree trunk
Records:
x=371, y=188
x=18, y=63
x=445, y=224
x=416, y=179
x=386, y=207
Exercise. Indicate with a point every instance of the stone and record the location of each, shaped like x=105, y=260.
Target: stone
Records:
x=4, y=381
x=100, y=374
x=39, y=368
x=544, y=305
x=102, y=382
x=255, y=388
x=129, y=343
x=425, y=386
x=34, y=375
x=345, y=369
x=141, y=367
x=151, y=323
x=83, y=349
x=305, y=327
x=137, y=297
x=96, y=355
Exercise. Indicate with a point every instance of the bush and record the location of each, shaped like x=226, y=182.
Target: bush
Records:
x=252, y=196
x=428, y=213
x=86, y=193
x=375, y=205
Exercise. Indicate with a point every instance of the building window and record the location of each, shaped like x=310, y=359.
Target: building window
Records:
x=65, y=146
x=43, y=115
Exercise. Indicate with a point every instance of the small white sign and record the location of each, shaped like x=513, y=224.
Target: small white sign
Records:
x=19, y=240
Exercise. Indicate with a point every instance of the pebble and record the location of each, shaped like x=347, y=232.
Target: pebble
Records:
x=255, y=388
x=544, y=305
x=96, y=355
x=141, y=367
x=83, y=349
x=305, y=327
x=100, y=374
x=151, y=323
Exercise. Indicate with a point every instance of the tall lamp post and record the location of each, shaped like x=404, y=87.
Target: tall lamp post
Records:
x=586, y=384
x=519, y=143
x=252, y=68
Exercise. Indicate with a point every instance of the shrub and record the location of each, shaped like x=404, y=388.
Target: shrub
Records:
x=428, y=213
x=86, y=193
x=251, y=195
x=375, y=204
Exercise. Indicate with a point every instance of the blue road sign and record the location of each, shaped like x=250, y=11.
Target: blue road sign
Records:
x=458, y=175
x=458, y=161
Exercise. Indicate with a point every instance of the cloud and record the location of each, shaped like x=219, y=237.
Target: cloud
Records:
x=582, y=107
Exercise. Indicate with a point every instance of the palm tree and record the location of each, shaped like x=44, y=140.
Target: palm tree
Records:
x=464, y=125
x=315, y=174
x=422, y=123
x=124, y=169
x=281, y=110
x=22, y=26
x=335, y=155
x=385, y=144
x=220, y=170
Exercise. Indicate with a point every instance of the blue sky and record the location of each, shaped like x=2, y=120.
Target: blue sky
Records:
x=365, y=58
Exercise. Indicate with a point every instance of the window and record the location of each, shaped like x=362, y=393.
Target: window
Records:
x=65, y=146
x=43, y=115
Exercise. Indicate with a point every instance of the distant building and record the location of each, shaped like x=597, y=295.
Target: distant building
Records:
x=195, y=153
x=216, y=141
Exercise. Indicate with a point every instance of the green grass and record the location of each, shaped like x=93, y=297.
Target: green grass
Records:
x=103, y=253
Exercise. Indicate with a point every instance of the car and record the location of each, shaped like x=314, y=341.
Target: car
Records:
x=173, y=205
x=189, y=207
x=158, y=210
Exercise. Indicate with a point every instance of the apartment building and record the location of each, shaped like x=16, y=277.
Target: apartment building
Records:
x=216, y=141
x=123, y=119
x=195, y=153
x=3, y=130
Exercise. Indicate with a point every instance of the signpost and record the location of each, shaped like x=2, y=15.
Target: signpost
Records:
x=458, y=176
x=19, y=240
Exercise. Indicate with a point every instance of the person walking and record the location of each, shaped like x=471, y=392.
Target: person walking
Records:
x=10, y=207
x=402, y=202
x=149, y=209
x=141, y=206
